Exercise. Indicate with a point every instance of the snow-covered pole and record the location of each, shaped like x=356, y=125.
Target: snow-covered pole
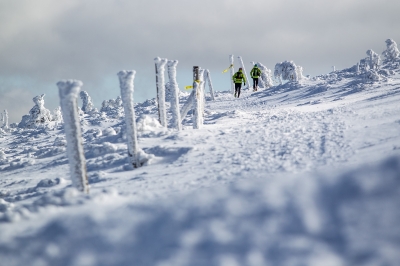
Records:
x=68, y=91
x=232, y=70
x=208, y=78
x=333, y=68
x=126, y=84
x=197, y=84
x=5, y=119
x=160, y=68
x=202, y=89
x=1, y=119
x=176, y=116
x=198, y=115
x=245, y=73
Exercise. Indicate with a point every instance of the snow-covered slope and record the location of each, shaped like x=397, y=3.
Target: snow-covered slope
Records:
x=299, y=174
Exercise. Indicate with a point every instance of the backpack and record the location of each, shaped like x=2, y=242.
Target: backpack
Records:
x=239, y=75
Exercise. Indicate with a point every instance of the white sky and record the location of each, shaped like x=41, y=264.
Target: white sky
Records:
x=44, y=41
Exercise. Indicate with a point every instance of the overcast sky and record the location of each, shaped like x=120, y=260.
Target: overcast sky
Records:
x=44, y=41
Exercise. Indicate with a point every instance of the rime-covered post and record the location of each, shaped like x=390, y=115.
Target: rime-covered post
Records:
x=245, y=73
x=201, y=91
x=68, y=91
x=174, y=89
x=208, y=78
x=232, y=70
x=160, y=68
x=5, y=119
x=126, y=84
x=197, y=83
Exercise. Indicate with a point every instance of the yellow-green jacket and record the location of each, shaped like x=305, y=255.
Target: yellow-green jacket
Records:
x=255, y=72
x=239, y=77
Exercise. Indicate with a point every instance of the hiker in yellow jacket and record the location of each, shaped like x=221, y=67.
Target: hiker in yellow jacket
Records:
x=238, y=78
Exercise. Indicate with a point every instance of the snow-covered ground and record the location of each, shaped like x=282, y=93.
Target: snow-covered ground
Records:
x=303, y=173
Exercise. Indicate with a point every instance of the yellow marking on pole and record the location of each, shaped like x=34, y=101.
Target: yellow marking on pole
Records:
x=188, y=87
x=226, y=70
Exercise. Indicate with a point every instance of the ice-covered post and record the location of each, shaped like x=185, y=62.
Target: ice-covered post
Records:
x=245, y=73
x=333, y=69
x=5, y=119
x=126, y=84
x=202, y=88
x=197, y=83
x=232, y=70
x=160, y=68
x=174, y=89
x=208, y=78
x=68, y=91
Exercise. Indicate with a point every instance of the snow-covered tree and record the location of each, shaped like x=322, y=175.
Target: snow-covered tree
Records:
x=288, y=70
x=392, y=52
x=87, y=105
x=266, y=76
x=38, y=115
x=373, y=60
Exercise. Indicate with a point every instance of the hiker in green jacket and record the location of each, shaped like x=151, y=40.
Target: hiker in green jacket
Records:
x=255, y=73
x=238, y=78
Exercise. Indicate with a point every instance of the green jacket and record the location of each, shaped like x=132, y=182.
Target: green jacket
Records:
x=255, y=72
x=239, y=77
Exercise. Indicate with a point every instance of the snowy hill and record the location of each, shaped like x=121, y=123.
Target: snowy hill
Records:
x=303, y=173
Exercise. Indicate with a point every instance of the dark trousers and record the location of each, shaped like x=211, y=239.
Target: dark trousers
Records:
x=238, y=86
x=255, y=83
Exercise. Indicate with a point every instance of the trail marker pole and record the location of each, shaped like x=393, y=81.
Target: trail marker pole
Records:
x=68, y=91
x=126, y=79
x=160, y=68
x=245, y=73
x=232, y=71
x=207, y=78
x=176, y=116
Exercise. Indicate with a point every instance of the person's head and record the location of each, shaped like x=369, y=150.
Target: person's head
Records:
x=255, y=65
x=240, y=69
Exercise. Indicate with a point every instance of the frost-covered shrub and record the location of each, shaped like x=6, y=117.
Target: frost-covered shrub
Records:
x=87, y=105
x=373, y=60
x=57, y=115
x=147, y=123
x=371, y=75
x=113, y=108
x=392, y=52
x=266, y=75
x=38, y=115
x=288, y=70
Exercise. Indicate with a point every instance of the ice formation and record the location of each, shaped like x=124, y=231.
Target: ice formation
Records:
x=174, y=95
x=160, y=68
x=87, y=105
x=68, y=91
x=198, y=102
x=288, y=70
x=392, y=52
